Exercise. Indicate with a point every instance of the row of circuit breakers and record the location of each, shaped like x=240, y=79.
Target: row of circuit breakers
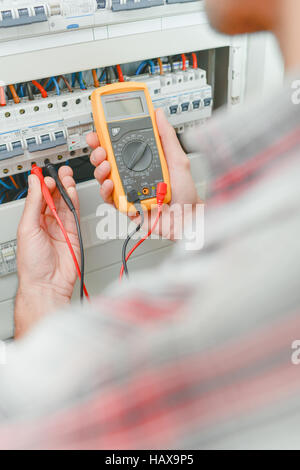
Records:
x=16, y=13
x=55, y=128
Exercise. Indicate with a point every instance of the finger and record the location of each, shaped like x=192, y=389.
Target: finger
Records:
x=33, y=205
x=65, y=171
x=172, y=148
x=64, y=212
x=70, y=186
x=98, y=156
x=102, y=172
x=50, y=183
x=68, y=182
x=106, y=191
x=92, y=140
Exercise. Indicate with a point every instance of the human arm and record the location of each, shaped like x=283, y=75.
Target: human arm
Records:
x=45, y=268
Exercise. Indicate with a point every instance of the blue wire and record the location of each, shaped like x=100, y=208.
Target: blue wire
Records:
x=56, y=85
x=48, y=84
x=22, y=194
x=142, y=65
x=2, y=198
x=21, y=91
x=103, y=76
x=6, y=186
x=80, y=79
x=73, y=79
x=78, y=76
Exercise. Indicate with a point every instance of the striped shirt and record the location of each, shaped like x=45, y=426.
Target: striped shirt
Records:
x=198, y=354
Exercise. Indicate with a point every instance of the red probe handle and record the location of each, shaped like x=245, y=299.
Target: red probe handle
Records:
x=37, y=171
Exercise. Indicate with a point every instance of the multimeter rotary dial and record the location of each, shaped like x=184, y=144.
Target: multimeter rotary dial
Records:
x=137, y=155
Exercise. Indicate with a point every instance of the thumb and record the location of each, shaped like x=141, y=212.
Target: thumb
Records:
x=171, y=145
x=33, y=205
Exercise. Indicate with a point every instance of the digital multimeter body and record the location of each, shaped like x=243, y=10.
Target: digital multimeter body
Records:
x=125, y=122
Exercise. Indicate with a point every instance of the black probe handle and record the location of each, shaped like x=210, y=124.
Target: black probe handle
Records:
x=53, y=173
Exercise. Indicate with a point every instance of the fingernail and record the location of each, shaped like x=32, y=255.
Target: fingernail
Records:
x=30, y=181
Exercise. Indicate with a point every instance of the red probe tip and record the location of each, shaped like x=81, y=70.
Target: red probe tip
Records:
x=161, y=192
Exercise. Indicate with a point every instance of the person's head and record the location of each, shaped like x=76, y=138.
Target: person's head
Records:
x=243, y=16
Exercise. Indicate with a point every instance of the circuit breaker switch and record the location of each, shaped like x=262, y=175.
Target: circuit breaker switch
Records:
x=45, y=138
x=40, y=13
x=185, y=106
x=60, y=138
x=31, y=144
x=207, y=101
x=173, y=109
x=101, y=4
x=23, y=13
x=3, y=152
x=11, y=150
x=196, y=104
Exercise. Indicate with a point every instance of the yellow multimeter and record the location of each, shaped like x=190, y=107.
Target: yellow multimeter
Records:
x=125, y=122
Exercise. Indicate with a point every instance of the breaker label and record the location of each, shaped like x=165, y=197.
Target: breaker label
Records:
x=78, y=7
x=8, y=258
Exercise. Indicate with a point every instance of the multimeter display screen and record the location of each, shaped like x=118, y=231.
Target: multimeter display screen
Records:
x=126, y=107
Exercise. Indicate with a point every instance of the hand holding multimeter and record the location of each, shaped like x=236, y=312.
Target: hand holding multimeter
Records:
x=125, y=122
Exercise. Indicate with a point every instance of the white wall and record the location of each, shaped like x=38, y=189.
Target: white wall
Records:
x=265, y=70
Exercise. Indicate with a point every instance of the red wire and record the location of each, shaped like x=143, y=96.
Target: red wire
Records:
x=183, y=61
x=2, y=96
x=195, y=61
x=71, y=249
x=142, y=239
x=40, y=88
x=120, y=73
